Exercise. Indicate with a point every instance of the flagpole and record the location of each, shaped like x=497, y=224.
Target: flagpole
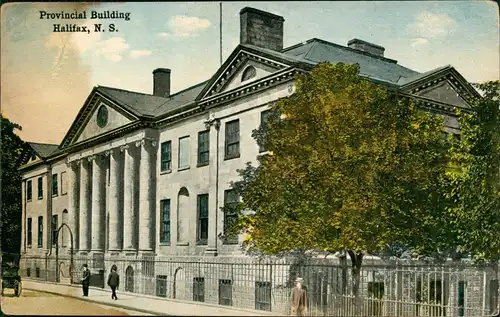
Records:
x=220, y=28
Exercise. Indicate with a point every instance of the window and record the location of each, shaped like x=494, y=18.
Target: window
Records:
x=203, y=147
x=198, y=289
x=226, y=292
x=55, y=189
x=231, y=199
x=263, y=296
x=166, y=156
x=165, y=221
x=184, y=152
x=232, y=139
x=375, y=293
x=161, y=285
x=202, y=218
x=248, y=73
x=40, y=187
x=30, y=231
x=28, y=272
x=54, y=229
x=493, y=295
x=37, y=272
x=40, y=231
x=461, y=298
x=64, y=190
x=29, y=190
x=33, y=156
x=263, y=119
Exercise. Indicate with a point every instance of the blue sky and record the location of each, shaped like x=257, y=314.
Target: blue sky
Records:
x=184, y=37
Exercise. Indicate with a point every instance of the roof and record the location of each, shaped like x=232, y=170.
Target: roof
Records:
x=43, y=149
x=373, y=66
x=149, y=105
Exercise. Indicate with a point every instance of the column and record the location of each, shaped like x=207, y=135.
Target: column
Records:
x=24, y=225
x=213, y=204
x=115, y=232
x=73, y=208
x=128, y=199
x=85, y=206
x=98, y=195
x=146, y=197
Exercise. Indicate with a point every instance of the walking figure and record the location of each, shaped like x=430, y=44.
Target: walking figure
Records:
x=299, y=298
x=113, y=281
x=85, y=280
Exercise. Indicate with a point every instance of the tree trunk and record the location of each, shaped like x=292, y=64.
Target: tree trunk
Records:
x=356, y=261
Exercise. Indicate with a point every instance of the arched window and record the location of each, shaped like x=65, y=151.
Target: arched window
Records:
x=129, y=279
x=248, y=73
x=182, y=215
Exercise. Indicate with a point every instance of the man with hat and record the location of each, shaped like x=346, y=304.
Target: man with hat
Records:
x=299, y=298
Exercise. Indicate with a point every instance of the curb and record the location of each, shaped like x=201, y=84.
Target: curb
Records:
x=208, y=305
x=140, y=310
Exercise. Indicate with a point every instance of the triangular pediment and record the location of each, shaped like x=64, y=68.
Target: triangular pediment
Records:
x=98, y=116
x=237, y=71
x=445, y=85
x=443, y=92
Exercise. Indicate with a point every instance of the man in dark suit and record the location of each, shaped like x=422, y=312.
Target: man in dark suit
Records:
x=113, y=281
x=85, y=280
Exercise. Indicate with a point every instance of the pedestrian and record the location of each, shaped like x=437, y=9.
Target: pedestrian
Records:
x=113, y=281
x=299, y=298
x=85, y=280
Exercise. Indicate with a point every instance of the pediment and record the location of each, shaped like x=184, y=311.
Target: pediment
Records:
x=445, y=85
x=231, y=74
x=114, y=120
x=443, y=92
x=98, y=116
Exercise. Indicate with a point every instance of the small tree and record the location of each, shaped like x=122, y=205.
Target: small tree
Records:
x=11, y=149
x=474, y=180
x=351, y=167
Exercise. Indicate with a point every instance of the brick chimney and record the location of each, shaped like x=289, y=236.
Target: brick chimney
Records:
x=367, y=47
x=161, y=82
x=262, y=29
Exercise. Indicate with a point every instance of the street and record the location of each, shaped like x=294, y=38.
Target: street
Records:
x=39, y=303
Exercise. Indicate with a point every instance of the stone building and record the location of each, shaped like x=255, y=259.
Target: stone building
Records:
x=140, y=178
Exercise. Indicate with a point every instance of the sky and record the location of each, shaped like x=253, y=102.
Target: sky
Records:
x=46, y=76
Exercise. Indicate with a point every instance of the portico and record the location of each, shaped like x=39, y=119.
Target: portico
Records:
x=119, y=176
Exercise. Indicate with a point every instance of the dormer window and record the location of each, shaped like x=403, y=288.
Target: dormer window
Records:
x=248, y=73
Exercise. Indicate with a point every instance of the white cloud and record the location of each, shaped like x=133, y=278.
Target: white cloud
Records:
x=432, y=25
x=138, y=53
x=419, y=42
x=181, y=26
x=112, y=48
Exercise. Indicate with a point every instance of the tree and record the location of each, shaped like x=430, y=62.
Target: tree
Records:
x=474, y=182
x=351, y=167
x=12, y=147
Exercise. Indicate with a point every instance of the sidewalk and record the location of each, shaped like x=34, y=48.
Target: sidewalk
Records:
x=141, y=303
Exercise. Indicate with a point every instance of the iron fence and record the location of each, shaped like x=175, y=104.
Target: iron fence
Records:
x=385, y=288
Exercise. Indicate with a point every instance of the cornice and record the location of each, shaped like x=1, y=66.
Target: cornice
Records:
x=240, y=58
x=83, y=116
x=447, y=74
x=251, y=88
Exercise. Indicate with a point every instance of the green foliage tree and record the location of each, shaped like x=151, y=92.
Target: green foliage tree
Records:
x=11, y=149
x=474, y=180
x=351, y=167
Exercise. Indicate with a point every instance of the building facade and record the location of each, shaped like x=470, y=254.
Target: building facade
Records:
x=144, y=176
